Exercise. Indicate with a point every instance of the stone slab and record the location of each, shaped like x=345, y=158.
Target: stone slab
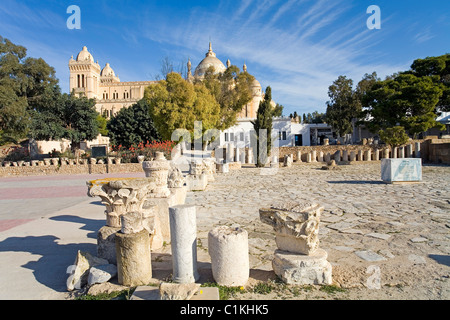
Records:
x=370, y=256
x=401, y=170
x=152, y=293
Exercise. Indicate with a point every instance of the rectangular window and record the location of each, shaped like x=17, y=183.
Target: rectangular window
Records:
x=279, y=135
x=284, y=135
x=231, y=136
x=242, y=136
x=226, y=137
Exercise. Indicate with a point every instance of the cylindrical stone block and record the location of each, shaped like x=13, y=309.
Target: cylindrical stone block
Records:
x=401, y=152
x=183, y=235
x=337, y=156
x=344, y=155
x=134, y=263
x=376, y=155
x=417, y=150
x=320, y=159
x=299, y=156
x=314, y=156
x=394, y=153
x=352, y=156
x=368, y=155
x=409, y=150
x=360, y=155
x=385, y=153
x=228, y=248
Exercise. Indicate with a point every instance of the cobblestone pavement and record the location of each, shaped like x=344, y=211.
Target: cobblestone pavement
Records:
x=398, y=234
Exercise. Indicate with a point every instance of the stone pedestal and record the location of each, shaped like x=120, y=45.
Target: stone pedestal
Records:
x=401, y=152
x=183, y=234
x=352, y=156
x=309, y=157
x=394, y=154
x=158, y=170
x=223, y=167
x=299, y=156
x=298, y=260
x=134, y=263
x=376, y=155
x=228, y=248
x=197, y=183
x=385, y=154
x=327, y=157
x=320, y=159
x=159, y=208
x=297, y=269
x=314, y=156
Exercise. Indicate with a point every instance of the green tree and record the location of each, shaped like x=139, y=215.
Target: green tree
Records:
x=132, y=125
x=405, y=100
x=395, y=136
x=278, y=110
x=341, y=109
x=440, y=68
x=26, y=84
x=264, y=122
x=175, y=103
x=232, y=90
x=67, y=117
x=102, y=123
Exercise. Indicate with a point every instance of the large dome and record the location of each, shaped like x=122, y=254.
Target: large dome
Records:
x=107, y=71
x=210, y=61
x=84, y=55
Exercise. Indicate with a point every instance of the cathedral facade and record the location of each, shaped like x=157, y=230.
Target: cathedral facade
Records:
x=88, y=79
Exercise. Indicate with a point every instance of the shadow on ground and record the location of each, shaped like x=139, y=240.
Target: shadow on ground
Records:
x=50, y=268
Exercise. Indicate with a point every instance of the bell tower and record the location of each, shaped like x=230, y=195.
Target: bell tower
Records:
x=84, y=75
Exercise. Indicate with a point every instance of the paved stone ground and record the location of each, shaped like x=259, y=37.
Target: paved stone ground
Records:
x=397, y=233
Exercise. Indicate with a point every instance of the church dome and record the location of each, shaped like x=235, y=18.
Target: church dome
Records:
x=84, y=55
x=107, y=71
x=210, y=61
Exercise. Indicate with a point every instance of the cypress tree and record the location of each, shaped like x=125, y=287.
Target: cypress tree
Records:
x=264, y=122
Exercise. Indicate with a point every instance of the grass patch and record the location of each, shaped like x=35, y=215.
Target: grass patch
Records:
x=119, y=295
x=332, y=289
x=225, y=293
x=263, y=288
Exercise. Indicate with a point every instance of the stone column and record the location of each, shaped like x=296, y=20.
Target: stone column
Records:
x=158, y=170
x=183, y=235
x=394, y=153
x=327, y=157
x=401, y=152
x=360, y=155
x=320, y=156
x=309, y=157
x=409, y=150
x=228, y=248
x=299, y=156
x=385, y=154
x=352, y=156
x=314, y=156
x=376, y=154
x=134, y=263
x=344, y=155
x=417, y=150
x=287, y=161
x=337, y=156
x=368, y=155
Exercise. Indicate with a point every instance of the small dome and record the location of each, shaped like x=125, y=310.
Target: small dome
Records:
x=209, y=61
x=107, y=71
x=84, y=55
x=256, y=83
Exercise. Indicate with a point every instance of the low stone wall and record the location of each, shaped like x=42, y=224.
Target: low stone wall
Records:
x=439, y=151
x=42, y=169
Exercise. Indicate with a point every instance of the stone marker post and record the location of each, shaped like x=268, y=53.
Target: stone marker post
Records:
x=417, y=150
x=183, y=235
x=299, y=156
x=228, y=248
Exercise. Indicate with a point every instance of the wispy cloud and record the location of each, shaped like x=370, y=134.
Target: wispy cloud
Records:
x=298, y=64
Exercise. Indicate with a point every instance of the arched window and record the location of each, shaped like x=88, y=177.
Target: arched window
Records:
x=82, y=81
x=78, y=82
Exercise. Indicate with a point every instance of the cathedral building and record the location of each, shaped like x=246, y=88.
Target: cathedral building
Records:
x=88, y=79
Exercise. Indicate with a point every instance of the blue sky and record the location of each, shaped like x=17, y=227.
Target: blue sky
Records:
x=298, y=47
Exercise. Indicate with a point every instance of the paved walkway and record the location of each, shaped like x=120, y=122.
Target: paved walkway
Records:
x=44, y=221
x=403, y=230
